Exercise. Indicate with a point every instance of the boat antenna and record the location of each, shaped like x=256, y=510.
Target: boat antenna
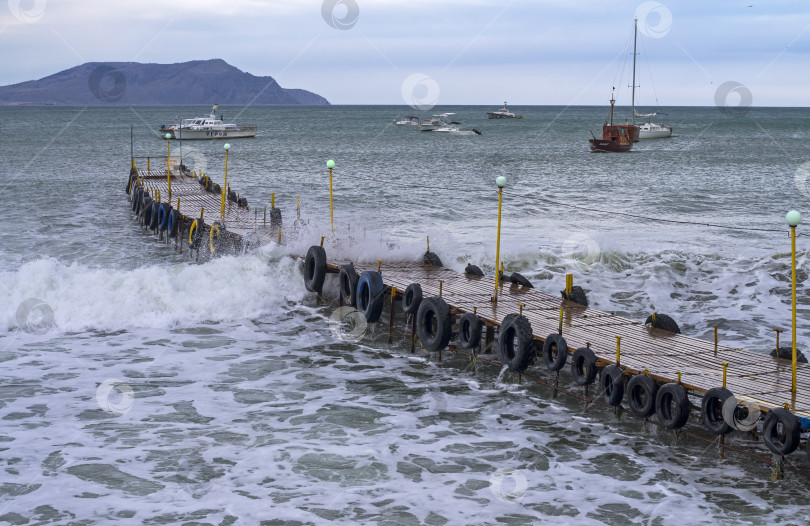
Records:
x=633, y=96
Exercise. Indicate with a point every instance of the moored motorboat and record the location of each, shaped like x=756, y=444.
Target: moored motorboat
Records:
x=615, y=137
x=503, y=113
x=211, y=127
x=434, y=123
x=649, y=129
x=409, y=120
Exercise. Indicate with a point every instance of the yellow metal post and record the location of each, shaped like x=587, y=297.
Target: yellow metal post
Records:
x=148, y=164
x=272, y=200
x=331, y=164
x=569, y=284
x=168, y=166
x=499, y=180
x=561, y=320
x=225, y=182
x=428, y=243
x=618, y=348
x=441, y=282
x=379, y=266
x=725, y=368
x=521, y=305
x=178, y=204
x=793, y=279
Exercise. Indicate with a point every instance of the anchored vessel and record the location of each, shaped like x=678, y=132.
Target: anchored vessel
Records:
x=615, y=137
x=649, y=129
x=503, y=113
x=211, y=127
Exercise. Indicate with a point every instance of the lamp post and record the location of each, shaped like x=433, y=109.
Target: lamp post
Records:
x=331, y=164
x=168, y=137
x=224, y=188
x=793, y=219
x=501, y=182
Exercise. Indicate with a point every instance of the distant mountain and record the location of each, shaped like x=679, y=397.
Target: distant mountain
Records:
x=199, y=82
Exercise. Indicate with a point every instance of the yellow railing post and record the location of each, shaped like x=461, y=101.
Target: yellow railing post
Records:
x=225, y=182
x=793, y=219
x=501, y=182
x=725, y=369
x=618, y=348
x=168, y=167
x=331, y=164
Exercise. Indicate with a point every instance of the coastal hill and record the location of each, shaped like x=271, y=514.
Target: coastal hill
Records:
x=199, y=82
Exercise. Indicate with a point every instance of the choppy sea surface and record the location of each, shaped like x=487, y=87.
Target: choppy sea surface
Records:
x=139, y=387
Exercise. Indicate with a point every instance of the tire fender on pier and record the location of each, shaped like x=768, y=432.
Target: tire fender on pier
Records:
x=583, y=366
x=672, y=406
x=174, y=223
x=348, y=285
x=641, y=392
x=195, y=233
x=516, y=342
x=663, y=322
x=216, y=237
x=577, y=296
x=613, y=385
x=711, y=410
x=315, y=269
x=518, y=279
x=469, y=331
x=433, y=323
x=555, y=351
x=370, y=295
x=164, y=213
x=412, y=298
x=152, y=220
x=782, y=441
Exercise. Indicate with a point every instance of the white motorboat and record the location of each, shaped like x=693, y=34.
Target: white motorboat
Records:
x=409, y=120
x=439, y=120
x=649, y=129
x=503, y=113
x=453, y=129
x=211, y=127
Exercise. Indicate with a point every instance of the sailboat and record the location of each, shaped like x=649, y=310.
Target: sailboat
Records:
x=615, y=137
x=649, y=129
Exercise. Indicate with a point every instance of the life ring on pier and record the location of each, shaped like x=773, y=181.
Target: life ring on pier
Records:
x=613, y=385
x=315, y=269
x=516, y=329
x=518, y=279
x=469, y=331
x=672, y=406
x=641, y=391
x=154, y=215
x=663, y=322
x=711, y=410
x=412, y=298
x=555, y=352
x=433, y=323
x=348, y=285
x=577, y=295
x=174, y=223
x=164, y=212
x=583, y=366
x=195, y=233
x=781, y=431
x=370, y=291
x=216, y=237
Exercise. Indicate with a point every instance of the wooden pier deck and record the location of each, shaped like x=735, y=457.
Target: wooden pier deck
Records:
x=754, y=377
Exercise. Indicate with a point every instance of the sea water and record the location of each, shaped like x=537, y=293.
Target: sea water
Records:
x=141, y=387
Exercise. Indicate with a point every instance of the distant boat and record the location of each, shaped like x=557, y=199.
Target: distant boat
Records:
x=211, y=127
x=409, y=120
x=438, y=120
x=615, y=137
x=503, y=113
x=649, y=129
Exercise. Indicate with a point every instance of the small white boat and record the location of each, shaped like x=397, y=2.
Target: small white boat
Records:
x=211, y=127
x=503, y=113
x=453, y=129
x=439, y=120
x=409, y=120
x=649, y=129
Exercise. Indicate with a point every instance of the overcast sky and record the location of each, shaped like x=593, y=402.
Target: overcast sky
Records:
x=439, y=51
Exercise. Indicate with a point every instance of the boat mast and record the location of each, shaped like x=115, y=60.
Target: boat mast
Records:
x=633, y=98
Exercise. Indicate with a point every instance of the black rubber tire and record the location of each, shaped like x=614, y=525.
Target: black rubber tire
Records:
x=517, y=357
x=135, y=197
x=174, y=224
x=583, y=366
x=577, y=296
x=232, y=196
x=216, y=189
x=786, y=353
x=370, y=292
x=613, y=385
x=348, y=285
x=555, y=352
x=217, y=242
x=431, y=258
x=146, y=202
x=473, y=270
x=469, y=331
x=711, y=410
x=672, y=406
x=412, y=298
x=153, y=218
x=275, y=217
x=663, y=322
x=433, y=333
x=164, y=211
x=146, y=212
x=242, y=202
x=785, y=441
x=315, y=269
x=195, y=238
x=641, y=391
x=520, y=280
